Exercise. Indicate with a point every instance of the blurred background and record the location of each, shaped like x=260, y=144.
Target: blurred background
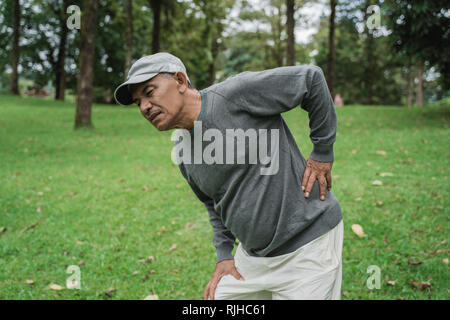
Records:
x=388, y=52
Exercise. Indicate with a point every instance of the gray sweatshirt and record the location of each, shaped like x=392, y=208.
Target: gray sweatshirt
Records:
x=265, y=210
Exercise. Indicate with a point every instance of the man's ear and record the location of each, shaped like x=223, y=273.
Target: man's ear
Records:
x=181, y=80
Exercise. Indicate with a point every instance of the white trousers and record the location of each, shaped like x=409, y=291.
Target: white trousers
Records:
x=312, y=272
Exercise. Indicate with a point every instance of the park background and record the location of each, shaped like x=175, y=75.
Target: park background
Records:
x=87, y=183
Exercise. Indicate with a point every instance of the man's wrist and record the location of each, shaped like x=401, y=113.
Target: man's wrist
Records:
x=322, y=153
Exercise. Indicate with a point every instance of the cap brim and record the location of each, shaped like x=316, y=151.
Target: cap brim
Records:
x=123, y=95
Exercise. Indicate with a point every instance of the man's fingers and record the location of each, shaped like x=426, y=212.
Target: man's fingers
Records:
x=328, y=180
x=322, y=185
x=237, y=275
x=205, y=294
x=310, y=184
x=306, y=175
x=212, y=287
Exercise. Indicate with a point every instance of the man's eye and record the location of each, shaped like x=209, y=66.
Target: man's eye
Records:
x=149, y=93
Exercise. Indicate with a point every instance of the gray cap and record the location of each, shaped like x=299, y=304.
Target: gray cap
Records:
x=146, y=68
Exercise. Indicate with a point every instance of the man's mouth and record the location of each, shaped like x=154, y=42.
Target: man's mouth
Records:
x=153, y=116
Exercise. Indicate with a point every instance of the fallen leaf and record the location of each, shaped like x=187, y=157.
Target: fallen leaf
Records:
x=54, y=286
x=162, y=230
x=391, y=283
x=30, y=282
x=2, y=229
x=414, y=263
x=424, y=285
x=29, y=227
x=354, y=151
x=174, y=271
x=358, y=230
x=445, y=260
x=173, y=247
x=109, y=292
x=379, y=203
x=377, y=183
x=152, y=297
x=70, y=194
x=386, y=174
x=148, y=259
x=145, y=188
x=381, y=152
x=358, y=199
x=189, y=225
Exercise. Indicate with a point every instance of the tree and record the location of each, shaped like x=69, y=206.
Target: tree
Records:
x=60, y=64
x=15, y=51
x=128, y=35
x=215, y=12
x=332, y=50
x=156, y=9
x=87, y=51
x=420, y=32
x=290, y=26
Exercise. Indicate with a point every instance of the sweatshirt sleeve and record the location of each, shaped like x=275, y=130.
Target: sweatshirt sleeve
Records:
x=271, y=92
x=223, y=239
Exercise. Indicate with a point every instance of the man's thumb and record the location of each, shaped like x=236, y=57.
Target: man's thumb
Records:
x=237, y=275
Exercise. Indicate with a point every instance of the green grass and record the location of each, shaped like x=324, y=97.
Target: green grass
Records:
x=109, y=197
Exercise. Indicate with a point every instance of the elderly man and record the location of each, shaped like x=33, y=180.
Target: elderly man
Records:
x=287, y=220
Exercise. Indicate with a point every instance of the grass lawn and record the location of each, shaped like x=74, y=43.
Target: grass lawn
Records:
x=107, y=199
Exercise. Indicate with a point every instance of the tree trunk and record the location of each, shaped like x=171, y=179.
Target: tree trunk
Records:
x=128, y=37
x=369, y=68
x=419, y=86
x=86, y=75
x=290, y=25
x=409, y=87
x=214, y=53
x=60, y=71
x=15, y=51
x=278, y=43
x=332, y=49
x=156, y=8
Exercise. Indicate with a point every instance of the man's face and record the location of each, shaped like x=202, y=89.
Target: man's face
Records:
x=159, y=100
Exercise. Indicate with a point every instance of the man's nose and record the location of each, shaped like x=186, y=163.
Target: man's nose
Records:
x=145, y=106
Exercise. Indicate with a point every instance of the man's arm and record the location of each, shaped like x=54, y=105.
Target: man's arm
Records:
x=223, y=239
x=271, y=92
x=274, y=91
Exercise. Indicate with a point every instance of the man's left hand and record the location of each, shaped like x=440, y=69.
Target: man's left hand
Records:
x=316, y=170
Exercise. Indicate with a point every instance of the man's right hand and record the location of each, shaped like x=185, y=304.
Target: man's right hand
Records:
x=222, y=269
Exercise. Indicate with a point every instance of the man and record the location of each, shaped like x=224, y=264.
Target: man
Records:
x=287, y=220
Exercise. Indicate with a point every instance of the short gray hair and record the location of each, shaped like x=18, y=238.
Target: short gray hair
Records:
x=169, y=75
